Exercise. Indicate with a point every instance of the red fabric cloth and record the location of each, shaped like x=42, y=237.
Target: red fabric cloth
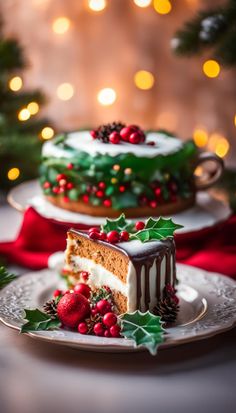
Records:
x=212, y=249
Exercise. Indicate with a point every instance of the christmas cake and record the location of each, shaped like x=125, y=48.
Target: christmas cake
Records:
x=135, y=262
x=118, y=168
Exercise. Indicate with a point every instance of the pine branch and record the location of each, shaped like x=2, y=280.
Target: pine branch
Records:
x=5, y=277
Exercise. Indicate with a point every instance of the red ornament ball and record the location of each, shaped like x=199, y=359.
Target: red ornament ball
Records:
x=103, y=306
x=114, y=138
x=139, y=225
x=107, y=203
x=109, y=319
x=83, y=289
x=82, y=328
x=98, y=329
x=72, y=308
x=113, y=237
x=115, y=331
x=124, y=236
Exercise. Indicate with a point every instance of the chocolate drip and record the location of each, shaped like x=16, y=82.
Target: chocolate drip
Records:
x=147, y=297
x=168, y=266
x=158, y=276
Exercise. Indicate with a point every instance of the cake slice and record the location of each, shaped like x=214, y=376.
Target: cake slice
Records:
x=136, y=272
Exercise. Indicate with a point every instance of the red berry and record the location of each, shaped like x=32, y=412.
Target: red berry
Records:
x=46, y=185
x=100, y=194
x=134, y=138
x=103, y=306
x=153, y=204
x=98, y=329
x=66, y=199
x=109, y=319
x=102, y=236
x=114, y=137
x=107, y=334
x=143, y=200
x=94, y=311
x=113, y=237
x=107, y=203
x=82, y=328
x=157, y=192
x=56, y=190
x=72, y=308
x=56, y=293
x=151, y=143
x=70, y=166
x=115, y=330
x=94, y=235
x=93, y=229
x=60, y=176
x=102, y=185
x=93, y=133
x=83, y=289
x=85, y=198
x=122, y=188
x=139, y=225
x=84, y=275
x=142, y=136
x=125, y=133
x=124, y=236
x=70, y=185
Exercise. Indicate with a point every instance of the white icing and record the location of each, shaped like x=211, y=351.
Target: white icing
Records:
x=82, y=141
x=138, y=247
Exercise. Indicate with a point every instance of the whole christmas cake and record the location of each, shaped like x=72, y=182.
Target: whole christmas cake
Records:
x=118, y=168
x=136, y=263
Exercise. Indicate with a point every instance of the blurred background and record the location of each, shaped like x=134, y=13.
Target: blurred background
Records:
x=87, y=62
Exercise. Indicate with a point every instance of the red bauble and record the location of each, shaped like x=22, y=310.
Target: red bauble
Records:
x=82, y=328
x=46, y=185
x=109, y=319
x=83, y=289
x=60, y=176
x=114, y=138
x=153, y=204
x=107, y=203
x=93, y=133
x=72, y=308
x=57, y=293
x=85, y=198
x=100, y=194
x=98, y=329
x=113, y=237
x=103, y=306
x=124, y=236
x=102, y=185
x=134, y=138
x=125, y=133
x=70, y=166
x=139, y=225
x=84, y=275
x=115, y=330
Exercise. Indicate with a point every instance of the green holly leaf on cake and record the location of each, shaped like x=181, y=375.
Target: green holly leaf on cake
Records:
x=5, y=277
x=119, y=224
x=156, y=230
x=144, y=328
x=37, y=320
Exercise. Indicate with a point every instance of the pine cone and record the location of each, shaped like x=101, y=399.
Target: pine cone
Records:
x=50, y=308
x=92, y=321
x=167, y=309
x=104, y=131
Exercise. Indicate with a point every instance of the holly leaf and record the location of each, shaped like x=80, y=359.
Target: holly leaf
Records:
x=156, y=230
x=144, y=328
x=119, y=224
x=37, y=320
x=5, y=277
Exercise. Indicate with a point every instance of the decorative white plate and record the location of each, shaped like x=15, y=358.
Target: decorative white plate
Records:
x=207, y=307
x=207, y=212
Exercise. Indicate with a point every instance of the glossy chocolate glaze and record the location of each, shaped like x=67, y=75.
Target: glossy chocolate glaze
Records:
x=156, y=251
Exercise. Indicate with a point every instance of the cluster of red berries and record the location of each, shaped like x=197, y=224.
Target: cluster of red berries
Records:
x=131, y=133
x=113, y=237
x=74, y=307
x=63, y=184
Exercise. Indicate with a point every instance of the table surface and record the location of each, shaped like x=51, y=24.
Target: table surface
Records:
x=41, y=377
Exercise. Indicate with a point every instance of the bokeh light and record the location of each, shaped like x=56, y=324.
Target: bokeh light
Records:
x=106, y=96
x=65, y=91
x=144, y=80
x=33, y=108
x=13, y=174
x=200, y=137
x=47, y=133
x=142, y=3
x=24, y=115
x=211, y=68
x=218, y=144
x=162, y=6
x=61, y=25
x=97, y=5
x=15, y=83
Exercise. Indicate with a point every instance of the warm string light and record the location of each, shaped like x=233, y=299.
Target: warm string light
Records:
x=144, y=80
x=13, y=174
x=61, y=25
x=162, y=6
x=24, y=115
x=106, y=96
x=97, y=5
x=218, y=144
x=211, y=68
x=234, y=120
x=15, y=83
x=47, y=133
x=65, y=91
x=33, y=108
x=200, y=137
x=142, y=3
